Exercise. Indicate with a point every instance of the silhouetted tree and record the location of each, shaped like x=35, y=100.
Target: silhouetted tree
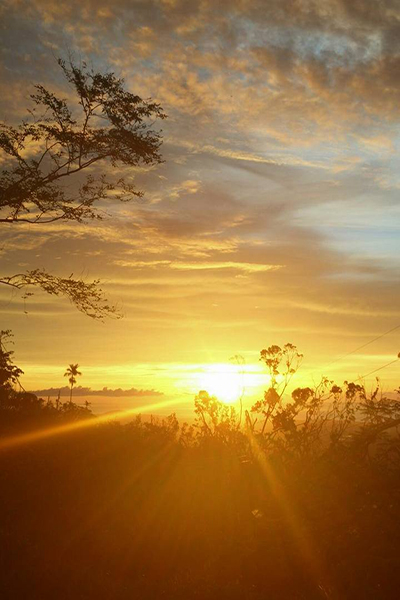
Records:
x=282, y=364
x=214, y=419
x=9, y=372
x=108, y=126
x=72, y=373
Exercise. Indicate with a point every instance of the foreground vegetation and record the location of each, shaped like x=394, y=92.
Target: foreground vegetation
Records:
x=297, y=498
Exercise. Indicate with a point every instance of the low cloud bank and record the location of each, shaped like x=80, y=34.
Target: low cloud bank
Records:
x=86, y=391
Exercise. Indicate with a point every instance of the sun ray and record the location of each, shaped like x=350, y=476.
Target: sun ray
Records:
x=301, y=534
x=42, y=434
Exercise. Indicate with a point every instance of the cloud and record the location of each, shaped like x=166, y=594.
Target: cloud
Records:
x=86, y=391
x=280, y=182
x=354, y=309
x=200, y=266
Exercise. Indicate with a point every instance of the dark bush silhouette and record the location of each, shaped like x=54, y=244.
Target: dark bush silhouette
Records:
x=23, y=410
x=304, y=506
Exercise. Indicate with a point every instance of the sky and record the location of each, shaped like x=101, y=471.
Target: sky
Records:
x=274, y=218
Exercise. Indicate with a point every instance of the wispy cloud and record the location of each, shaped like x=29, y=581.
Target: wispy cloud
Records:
x=199, y=266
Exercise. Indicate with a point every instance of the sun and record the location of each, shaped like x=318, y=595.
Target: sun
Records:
x=223, y=381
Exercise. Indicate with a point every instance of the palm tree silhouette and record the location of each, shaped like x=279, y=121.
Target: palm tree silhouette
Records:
x=72, y=373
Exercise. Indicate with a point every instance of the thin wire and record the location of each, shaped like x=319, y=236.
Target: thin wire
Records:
x=379, y=369
x=363, y=346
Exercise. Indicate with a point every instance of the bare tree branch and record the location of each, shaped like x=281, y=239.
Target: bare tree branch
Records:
x=111, y=126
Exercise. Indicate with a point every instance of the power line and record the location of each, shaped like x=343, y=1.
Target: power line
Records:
x=378, y=337
x=379, y=368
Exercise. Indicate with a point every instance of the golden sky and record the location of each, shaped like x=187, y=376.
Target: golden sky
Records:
x=275, y=217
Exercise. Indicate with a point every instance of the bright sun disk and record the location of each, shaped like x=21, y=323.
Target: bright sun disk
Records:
x=225, y=382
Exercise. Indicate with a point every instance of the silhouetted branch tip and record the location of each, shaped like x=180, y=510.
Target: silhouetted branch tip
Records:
x=87, y=297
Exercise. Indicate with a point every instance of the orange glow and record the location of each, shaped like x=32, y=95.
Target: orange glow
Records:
x=42, y=434
x=229, y=382
x=300, y=532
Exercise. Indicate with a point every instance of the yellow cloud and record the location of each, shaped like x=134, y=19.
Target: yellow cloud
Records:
x=198, y=266
x=247, y=267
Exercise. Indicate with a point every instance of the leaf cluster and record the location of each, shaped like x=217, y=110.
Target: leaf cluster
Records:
x=57, y=142
x=87, y=297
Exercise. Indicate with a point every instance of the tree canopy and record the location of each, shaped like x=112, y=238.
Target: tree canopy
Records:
x=56, y=165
